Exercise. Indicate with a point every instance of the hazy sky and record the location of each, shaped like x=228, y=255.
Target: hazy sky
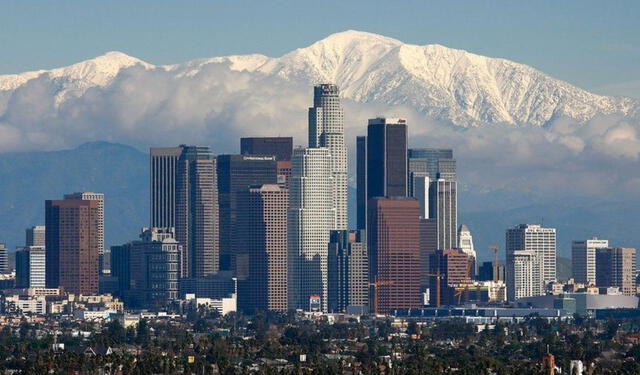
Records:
x=593, y=44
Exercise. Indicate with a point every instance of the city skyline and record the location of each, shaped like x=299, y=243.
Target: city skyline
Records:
x=363, y=187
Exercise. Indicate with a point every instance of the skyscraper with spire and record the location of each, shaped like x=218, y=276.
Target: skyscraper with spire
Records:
x=326, y=129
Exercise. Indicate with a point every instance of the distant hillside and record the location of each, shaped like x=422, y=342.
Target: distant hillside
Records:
x=121, y=173
x=29, y=178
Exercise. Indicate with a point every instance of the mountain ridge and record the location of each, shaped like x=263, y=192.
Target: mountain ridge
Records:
x=443, y=83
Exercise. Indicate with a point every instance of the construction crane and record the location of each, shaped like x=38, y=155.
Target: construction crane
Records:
x=438, y=277
x=375, y=286
x=465, y=288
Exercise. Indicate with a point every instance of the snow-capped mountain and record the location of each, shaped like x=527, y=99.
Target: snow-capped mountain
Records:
x=443, y=83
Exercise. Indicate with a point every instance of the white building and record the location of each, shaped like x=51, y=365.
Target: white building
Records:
x=465, y=241
x=310, y=219
x=524, y=276
x=443, y=201
x=326, y=129
x=583, y=259
x=534, y=237
x=26, y=304
x=84, y=314
x=222, y=305
x=30, y=267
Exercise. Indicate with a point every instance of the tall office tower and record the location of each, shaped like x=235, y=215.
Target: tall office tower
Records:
x=428, y=248
x=196, y=216
x=387, y=158
x=35, y=236
x=237, y=173
x=155, y=267
x=310, y=219
x=524, y=276
x=455, y=268
x=443, y=201
x=394, y=252
x=417, y=171
x=280, y=147
x=361, y=182
x=121, y=269
x=348, y=272
x=326, y=129
x=98, y=197
x=465, y=243
x=616, y=266
x=432, y=180
x=583, y=259
x=72, y=243
x=30, y=267
x=163, y=167
x=262, y=229
x=432, y=162
x=536, y=238
x=4, y=259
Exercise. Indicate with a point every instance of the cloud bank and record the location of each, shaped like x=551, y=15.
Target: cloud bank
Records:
x=216, y=106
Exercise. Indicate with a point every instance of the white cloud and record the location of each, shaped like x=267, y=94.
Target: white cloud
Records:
x=217, y=106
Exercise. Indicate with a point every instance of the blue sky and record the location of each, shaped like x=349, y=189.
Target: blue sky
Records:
x=593, y=44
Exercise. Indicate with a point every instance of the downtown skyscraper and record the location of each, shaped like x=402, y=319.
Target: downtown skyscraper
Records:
x=394, y=253
x=326, y=129
x=184, y=195
x=72, y=242
x=162, y=184
x=262, y=226
x=196, y=212
x=311, y=218
x=432, y=180
x=236, y=173
x=381, y=163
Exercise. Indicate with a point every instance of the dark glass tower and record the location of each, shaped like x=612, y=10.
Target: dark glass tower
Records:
x=280, y=147
x=236, y=173
x=387, y=158
x=197, y=212
x=361, y=181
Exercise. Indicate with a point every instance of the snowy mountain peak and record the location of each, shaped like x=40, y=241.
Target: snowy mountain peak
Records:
x=98, y=71
x=440, y=82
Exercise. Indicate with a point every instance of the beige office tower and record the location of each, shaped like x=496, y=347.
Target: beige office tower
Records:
x=326, y=129
x=536, y=238
x=98, y=197
x=311, y=218
x=616, y=266
x=262, y=228
x=583, y=259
